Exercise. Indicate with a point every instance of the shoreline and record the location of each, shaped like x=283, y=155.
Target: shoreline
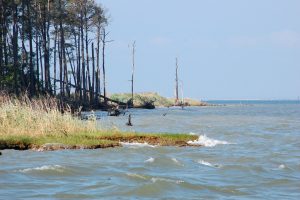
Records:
x=94, y=141
x=39, y=124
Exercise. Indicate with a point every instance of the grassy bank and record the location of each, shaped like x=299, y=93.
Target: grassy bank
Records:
x=159, y=101
x=39, y=124
x=100, y=139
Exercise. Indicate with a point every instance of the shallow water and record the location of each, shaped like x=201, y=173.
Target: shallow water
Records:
x=252, y=151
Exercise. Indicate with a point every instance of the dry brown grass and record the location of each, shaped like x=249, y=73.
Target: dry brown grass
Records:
x=37, y=117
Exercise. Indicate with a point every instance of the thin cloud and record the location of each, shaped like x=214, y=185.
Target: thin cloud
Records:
x=286, y=38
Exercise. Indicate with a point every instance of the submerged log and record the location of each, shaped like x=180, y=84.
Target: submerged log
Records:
x=129, y=121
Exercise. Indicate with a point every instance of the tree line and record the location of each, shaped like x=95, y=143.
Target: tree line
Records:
x=54, y=47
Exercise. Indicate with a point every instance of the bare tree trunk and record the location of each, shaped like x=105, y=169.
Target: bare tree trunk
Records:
x=83, y=58
x=93, y=77
x=46, y=50
x=54, y=66
x=23, y=52
x=72, y=67
x=48, y=46
x=132, y=75
x=5, y=37
x=37, y=50
x=88, y=88
x=63, y=52
x=41, y=66
x=103, y=65
x=87, y=49
x=77, y=48
x=176, y=86
x=31, y=68
x=1, y=44
x=61, y=84
x=98, y=84
x=15, y=48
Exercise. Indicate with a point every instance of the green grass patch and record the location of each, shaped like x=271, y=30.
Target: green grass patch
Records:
x=100, y=139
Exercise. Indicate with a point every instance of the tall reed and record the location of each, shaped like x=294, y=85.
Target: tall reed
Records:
x=38, y=117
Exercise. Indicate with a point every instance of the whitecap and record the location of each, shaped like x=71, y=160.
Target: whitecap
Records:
x=154, y=180
x=203, y=140
x=282, y=166
x=202, y=162
x=136, y=144
x=176, y=161
x=43, y=168
x=150, y=160
x=136, y=176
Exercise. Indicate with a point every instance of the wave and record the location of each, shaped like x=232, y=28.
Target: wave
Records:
x=150, y=160
x=177, y=162
x=282, y=166
x=57, y=168
x=137, y=144
x=154, y=180
x=202, y=162
x=136, y=176
x=203, y=140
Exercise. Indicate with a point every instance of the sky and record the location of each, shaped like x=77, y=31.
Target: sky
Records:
x=233, y=49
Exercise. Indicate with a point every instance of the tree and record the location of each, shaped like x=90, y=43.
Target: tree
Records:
x=104, y=41
x=176, y=84
x=132, y=74
x=34, y=34
x=15, y=47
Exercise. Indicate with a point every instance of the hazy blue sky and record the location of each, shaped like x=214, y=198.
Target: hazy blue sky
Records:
x=227, y=49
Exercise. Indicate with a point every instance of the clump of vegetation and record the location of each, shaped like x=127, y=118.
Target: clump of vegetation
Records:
x=38, y=117
x=159, y=101
x=191, y=102
x=141, y=98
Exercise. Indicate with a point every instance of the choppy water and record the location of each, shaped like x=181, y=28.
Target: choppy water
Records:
x=252, y=151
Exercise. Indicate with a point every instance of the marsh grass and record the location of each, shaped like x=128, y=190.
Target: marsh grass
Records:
x=38, y=117
x=141, y=98
x=30, y=123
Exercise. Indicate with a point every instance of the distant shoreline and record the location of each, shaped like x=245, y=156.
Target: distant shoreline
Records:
x=143, y=98
x=253, y=101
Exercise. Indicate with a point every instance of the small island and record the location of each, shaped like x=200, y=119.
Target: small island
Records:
x=141, y=100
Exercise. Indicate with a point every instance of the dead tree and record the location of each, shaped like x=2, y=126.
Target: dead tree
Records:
x=93, y=75
x=176, y=84
x=104, y=41
x=132, y=75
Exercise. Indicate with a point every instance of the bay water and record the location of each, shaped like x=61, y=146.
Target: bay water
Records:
x=251, y=150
